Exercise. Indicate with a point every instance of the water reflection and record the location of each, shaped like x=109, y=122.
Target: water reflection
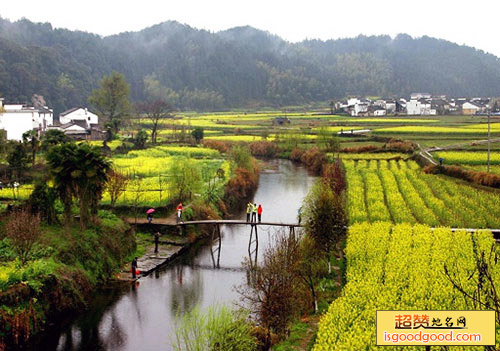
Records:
x=143, y=317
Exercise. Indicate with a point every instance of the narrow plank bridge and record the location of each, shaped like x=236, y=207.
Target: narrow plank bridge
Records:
x=216, y=237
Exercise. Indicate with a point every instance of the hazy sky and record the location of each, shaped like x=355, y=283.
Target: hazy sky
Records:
x=474, y=23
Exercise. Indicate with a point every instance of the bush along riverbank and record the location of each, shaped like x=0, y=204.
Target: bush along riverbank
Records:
x=52, y=271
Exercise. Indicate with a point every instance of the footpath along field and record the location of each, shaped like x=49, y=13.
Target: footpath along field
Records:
x=399, y=268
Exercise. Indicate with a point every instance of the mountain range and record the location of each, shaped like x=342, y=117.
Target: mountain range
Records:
x=238, y=67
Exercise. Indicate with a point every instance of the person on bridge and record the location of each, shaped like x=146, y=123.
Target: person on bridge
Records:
x=259, y=212
x=179, y=213
x=254, y=212
x=249, y=211
x=299, y=214
x=157, y=241
x=134, y=268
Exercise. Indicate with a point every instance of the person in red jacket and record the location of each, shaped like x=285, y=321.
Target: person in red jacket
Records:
x=179, y=213
x=259, y=212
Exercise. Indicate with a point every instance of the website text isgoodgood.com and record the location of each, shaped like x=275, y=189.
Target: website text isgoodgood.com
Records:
x=425, y=338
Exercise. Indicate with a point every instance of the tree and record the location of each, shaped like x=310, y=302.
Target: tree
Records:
x=140, y=139
x=156, y=111
x=185, y=178
x=23, y=230
x=79, y=171
x=53, y=137
x=483, y=277
x=30, y=138
x=112, y=100
x=42, y=201
x=325, y=218
x=197, y=134
x=332, y=106
x=310, y=268
x=18, y=161
x=137, y=188
x=116, y=185
x=38, y=101
x=327, y=140
x=272, y=293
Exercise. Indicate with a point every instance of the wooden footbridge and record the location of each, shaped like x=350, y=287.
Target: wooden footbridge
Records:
x=216, y=237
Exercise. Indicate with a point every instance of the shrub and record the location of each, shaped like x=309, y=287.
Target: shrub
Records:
x=296, y=155
x=314, y=159
x=23, y=230
x=264, y=148
x=479, y=178
x=360, y=149
x=221, y=146
x=240, y=187
x=218, y=329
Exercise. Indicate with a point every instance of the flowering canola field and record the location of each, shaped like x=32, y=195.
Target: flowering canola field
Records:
x=398, y=191
x=398, y=268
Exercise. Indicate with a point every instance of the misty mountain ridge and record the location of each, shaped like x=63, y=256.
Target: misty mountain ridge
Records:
x=237, y=67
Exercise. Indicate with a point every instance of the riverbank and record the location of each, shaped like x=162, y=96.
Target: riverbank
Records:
x=65, y=265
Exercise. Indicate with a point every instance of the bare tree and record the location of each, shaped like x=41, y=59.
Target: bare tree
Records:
x=137, y=188
x=116, y=185
x=272, y=293
x=23, y=230
x=155, y=111
x=483, y=278
x=310, y=268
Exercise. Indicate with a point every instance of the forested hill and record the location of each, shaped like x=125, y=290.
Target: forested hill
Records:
x=238, y=67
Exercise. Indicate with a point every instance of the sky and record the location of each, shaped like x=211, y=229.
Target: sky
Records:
x=472, y=23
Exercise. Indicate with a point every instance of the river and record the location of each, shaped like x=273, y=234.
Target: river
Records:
x=142, y=317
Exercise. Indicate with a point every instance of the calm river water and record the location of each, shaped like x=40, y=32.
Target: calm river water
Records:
x=143, y=317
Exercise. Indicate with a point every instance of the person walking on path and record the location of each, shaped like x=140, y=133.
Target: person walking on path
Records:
x=134, y=268
x=149, y=216
x=249, y=211
x=179, y=213
x=157, y=241
x=299, y=214
x=254, y=212
x=259, y=212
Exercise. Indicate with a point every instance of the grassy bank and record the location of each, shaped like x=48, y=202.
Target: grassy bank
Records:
x=63, y=267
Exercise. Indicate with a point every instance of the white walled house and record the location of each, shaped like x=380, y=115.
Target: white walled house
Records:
x=419, y=107
x=80, y=124
x=17, y=119
x=470, y=108
x=79, y=114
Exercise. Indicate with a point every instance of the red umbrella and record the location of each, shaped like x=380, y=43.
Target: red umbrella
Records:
x=151, y=210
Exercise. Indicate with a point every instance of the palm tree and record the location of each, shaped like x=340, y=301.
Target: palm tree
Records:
x=79, y=171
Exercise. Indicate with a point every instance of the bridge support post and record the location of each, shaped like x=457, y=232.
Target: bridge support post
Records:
x=252, y=254
x=216, y=232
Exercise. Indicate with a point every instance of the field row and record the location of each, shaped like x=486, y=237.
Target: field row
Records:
x=398, y=191
x=399, y=268
x=468, y=158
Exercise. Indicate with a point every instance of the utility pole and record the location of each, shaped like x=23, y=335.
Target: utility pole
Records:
x=489, y=134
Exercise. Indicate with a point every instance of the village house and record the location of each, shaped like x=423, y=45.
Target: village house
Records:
x=471, y=108
x=17, y=119
x=80, y=124
x=419, y=107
